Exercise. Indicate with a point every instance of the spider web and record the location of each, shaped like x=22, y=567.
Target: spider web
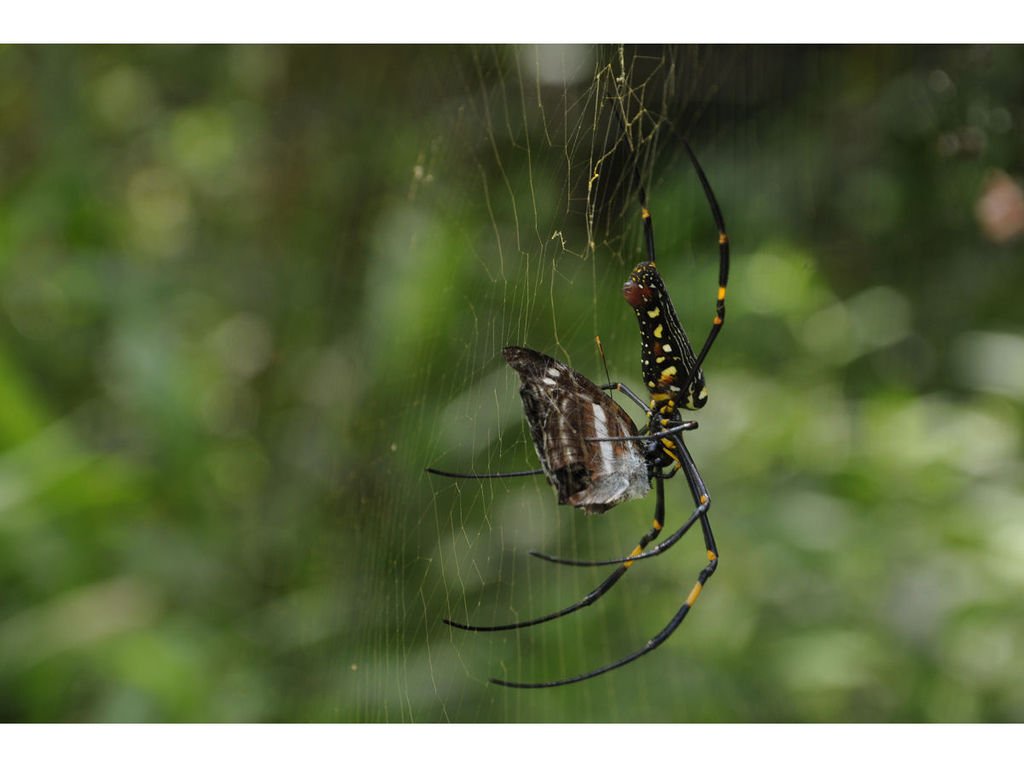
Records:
x=522, y=218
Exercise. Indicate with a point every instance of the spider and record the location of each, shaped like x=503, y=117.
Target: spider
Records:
x=591, y=450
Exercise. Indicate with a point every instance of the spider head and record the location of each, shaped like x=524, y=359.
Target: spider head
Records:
x=644, y=286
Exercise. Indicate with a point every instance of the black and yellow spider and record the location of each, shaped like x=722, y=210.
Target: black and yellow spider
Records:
x=592, y=452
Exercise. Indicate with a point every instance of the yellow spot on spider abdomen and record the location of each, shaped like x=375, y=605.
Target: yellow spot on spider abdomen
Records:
x=669, y=373
x=653, y=313
x=658, y=331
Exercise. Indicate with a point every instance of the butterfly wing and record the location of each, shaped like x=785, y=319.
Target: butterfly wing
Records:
x=568, y=415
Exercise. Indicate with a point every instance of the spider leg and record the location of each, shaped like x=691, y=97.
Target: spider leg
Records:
x=700, y=497
x=635, y=555
x=596, y=593
x=655, y=641
x=684, y=426
x=620, y=387
x=723, y=260
x=660, y=637
x=485, y=476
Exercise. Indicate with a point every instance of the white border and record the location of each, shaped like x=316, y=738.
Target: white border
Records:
x=451, y=21
x=837, y=746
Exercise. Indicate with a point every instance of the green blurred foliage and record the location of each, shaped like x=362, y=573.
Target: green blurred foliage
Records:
x=248, y=293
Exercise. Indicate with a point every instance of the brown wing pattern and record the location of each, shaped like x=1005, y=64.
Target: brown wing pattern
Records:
x=565, y=410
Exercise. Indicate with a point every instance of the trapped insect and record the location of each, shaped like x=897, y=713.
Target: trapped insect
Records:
x=592, y=452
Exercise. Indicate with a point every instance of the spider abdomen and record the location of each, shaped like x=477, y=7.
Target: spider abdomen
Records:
x=666, y=355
